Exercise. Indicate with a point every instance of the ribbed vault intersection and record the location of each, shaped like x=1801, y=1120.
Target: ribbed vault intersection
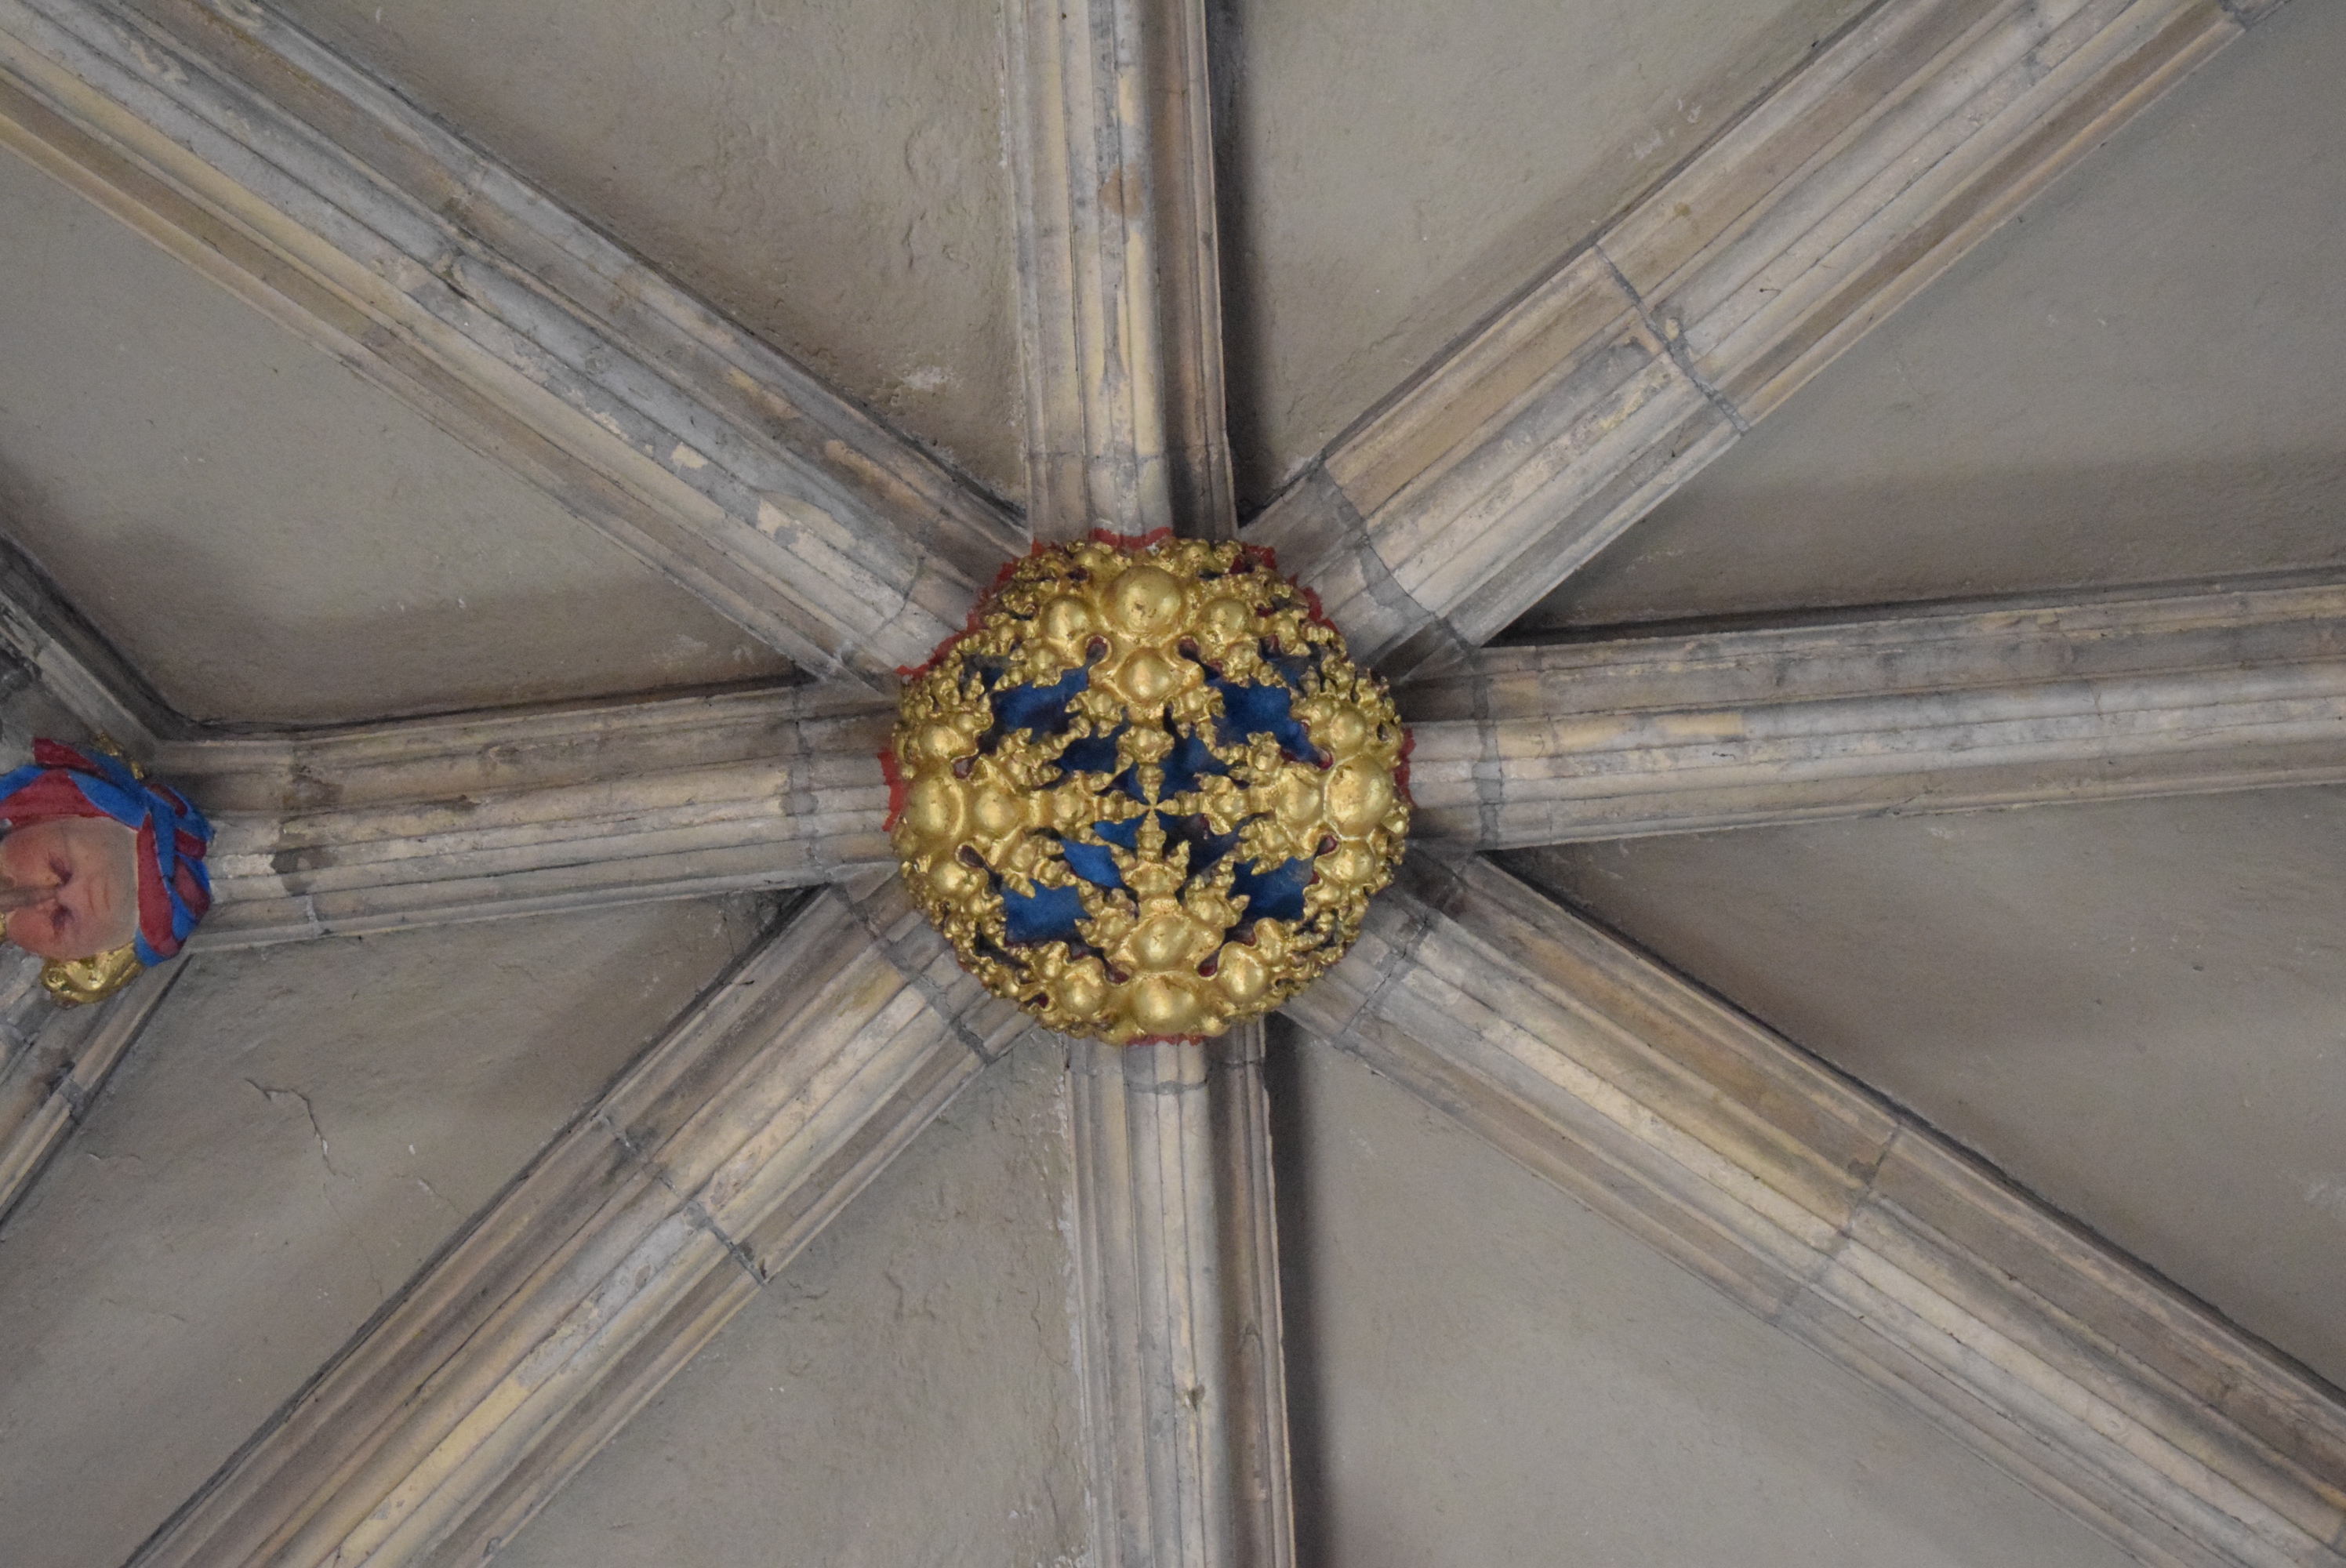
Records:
x=1603, y=383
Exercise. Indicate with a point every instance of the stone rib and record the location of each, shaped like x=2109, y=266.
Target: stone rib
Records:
x=470, y=1398
x=424, y=821
x=242, y=146
x=1176, y=1258
x=1954, y=708
x=1473, y=492
x=1844, y=1222
x=57, y=1063
x=1119, y=276
x=79, y=674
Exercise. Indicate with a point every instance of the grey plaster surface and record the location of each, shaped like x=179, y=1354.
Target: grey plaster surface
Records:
x=1393, y=170
x=2139, y=1011
x=828, y=173
x=267, y=535
x=298, y=1130
x=2142, y=378
x=1497, y=1376
x=902, y=1393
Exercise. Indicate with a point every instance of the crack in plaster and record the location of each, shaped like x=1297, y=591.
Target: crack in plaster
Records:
x=326, y=1189
x=439, y=1197
x=308, y=1109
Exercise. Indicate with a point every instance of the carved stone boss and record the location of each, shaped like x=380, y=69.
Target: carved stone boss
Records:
x=1147, y=794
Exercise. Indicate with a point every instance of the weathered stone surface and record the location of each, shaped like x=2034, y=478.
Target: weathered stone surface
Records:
x=55, y=1071
x=921, y=1348
x=235, y=142
x=267, y=1167
x=2129, y=1008
x=423, y=821
x=1178, y=1281
x=827, y=174
x=2136, y=381
x=1844, y=1222
x=2020, y=702
x=1649, y=352
x=503, y=1368
x=76, y=676
x=1394, y=171
x=1119, y=280
x=284, y=540
x=1485, y=1369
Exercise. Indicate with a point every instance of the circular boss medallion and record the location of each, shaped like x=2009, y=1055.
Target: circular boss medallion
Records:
x=1147, y=794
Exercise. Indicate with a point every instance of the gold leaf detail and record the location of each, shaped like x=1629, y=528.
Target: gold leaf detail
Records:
x=1088, y=821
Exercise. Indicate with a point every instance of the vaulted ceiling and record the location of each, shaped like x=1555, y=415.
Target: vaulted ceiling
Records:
x=498, y=454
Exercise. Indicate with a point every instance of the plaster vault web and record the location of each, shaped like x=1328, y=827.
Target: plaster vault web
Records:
x=1640, y=353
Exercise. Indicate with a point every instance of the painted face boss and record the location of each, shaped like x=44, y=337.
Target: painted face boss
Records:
x=102, y=869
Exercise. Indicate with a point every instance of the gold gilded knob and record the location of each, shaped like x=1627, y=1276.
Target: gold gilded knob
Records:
x=1148, y=794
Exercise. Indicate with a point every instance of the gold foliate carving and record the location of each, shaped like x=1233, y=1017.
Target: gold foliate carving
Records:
x=1147, y=794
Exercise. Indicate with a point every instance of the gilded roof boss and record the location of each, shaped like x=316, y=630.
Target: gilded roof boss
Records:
x=1145, y=794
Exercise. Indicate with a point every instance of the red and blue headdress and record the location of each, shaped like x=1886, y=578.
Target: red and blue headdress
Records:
x=174, y=889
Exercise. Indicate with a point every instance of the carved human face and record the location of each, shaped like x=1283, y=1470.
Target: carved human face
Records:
x=81, y=875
